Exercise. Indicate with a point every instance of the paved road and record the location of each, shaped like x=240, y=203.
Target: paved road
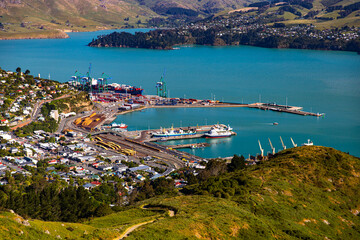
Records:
x=36, y=111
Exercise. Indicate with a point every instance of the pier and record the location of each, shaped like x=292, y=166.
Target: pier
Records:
x=284, y=108
x=190, y=145
x=146, y=135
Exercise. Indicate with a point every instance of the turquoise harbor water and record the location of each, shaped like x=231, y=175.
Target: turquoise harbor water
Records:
x=319, y=81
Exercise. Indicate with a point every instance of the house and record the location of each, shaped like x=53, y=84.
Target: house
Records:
x=140, y=168
x=104, y=167
x=85, y=159
x=89, y=186
x=139, y=177
x=26, y=112
x=5, y=136
x=97, y=183
x=2, y=166
x=28, y=152
x=13, y=150
x=64, y=160
x=3, y=182
x=20, y=161
x=50, y=169
x=28, y=159
x=53, y=161
x=120, y=168
x=54, y=114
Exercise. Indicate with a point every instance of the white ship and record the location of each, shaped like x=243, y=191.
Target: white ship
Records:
x=309, y=143
x=218, y=131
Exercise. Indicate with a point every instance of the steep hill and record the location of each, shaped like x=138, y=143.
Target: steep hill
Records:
x=38, y=18
x=301, y=193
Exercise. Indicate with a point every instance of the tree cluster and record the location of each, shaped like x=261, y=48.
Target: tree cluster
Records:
x=55, y=201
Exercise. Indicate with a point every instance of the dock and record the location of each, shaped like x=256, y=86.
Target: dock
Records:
x=190, y=145
x=284, y=108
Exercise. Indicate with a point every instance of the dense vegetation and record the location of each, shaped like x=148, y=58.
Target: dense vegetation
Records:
x=35, y=197
x=166, y=39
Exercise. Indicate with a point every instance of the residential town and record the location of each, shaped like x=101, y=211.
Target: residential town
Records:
x=71, y=157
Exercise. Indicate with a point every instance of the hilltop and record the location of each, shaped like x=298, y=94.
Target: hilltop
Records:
x=304, y=192
x=50, y=18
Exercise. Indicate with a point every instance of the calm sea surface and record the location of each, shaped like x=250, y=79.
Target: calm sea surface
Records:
x=319, y=81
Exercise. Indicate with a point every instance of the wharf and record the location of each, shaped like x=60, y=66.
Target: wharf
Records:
x=283, y=108
x=190, y=145
x=146, y=135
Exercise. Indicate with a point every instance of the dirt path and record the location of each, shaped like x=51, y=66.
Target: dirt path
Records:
x=132, y=228
x=171, y=213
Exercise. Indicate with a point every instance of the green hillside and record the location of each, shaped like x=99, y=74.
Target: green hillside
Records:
x=301, y=193
x=41, y=18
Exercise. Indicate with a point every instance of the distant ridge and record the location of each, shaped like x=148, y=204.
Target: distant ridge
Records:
x=28, y=18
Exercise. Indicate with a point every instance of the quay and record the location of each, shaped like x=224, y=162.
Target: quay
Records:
x=284, y=108
x=190, y=145
x=146, y=135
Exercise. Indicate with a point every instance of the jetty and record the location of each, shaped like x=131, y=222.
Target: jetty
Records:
x=284, y=108
x=189, y=145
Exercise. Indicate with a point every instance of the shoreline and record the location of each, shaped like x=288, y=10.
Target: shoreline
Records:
x=63, y=34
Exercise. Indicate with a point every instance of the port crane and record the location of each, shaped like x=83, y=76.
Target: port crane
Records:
x=272, y=148
x=284, y=147
x=102, y=82
x=161, y=87
x=261, y=149
x=77, y=77
x=86, y=81
x=293, y=143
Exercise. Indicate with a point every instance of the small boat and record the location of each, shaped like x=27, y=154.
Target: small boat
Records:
x=275, y=123
x=309, y=143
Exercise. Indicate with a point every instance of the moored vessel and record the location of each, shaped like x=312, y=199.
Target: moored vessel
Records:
x=218, y=131
x=173, y=133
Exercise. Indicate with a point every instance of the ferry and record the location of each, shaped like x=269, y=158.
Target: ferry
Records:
x=218, y=131
x=172, y=133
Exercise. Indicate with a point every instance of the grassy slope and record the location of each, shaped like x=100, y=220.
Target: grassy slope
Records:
x=107, y=227
x=93, y=14
x=304, y=193
x=89, y=13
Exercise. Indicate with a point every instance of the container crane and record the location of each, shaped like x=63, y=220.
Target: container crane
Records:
x=87, y=80
x=103, y=82
x=273, y=149
x=77, y=77
x=284, y=147
x=294, y=144
x=161, y=87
